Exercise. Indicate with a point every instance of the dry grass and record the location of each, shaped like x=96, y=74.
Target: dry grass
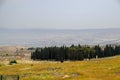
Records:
x=98, y=69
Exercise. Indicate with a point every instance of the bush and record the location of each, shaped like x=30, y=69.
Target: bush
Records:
x=31, y=48
x=13, y=62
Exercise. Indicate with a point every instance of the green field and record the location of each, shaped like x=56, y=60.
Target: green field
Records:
x=95, y=69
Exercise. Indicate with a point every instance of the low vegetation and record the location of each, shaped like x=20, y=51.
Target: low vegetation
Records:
x=12, y=62
x=94, y=69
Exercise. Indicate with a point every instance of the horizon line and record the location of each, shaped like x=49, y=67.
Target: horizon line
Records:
x=58, y=28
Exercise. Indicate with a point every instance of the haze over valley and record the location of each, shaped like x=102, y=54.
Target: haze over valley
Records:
x=58, y=37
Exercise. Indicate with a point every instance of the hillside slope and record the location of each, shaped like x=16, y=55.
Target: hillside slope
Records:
x=96, y=69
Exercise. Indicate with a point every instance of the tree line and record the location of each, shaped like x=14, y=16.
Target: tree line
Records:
x=74, y=52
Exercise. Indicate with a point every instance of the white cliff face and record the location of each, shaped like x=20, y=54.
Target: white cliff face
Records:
x=43, y=38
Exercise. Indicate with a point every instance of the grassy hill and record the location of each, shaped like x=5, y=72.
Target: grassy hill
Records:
x=95, y=69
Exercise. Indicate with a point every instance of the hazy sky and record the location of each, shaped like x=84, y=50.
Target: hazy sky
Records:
x=60, y=14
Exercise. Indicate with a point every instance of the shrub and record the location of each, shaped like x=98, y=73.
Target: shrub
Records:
x=13, y=62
